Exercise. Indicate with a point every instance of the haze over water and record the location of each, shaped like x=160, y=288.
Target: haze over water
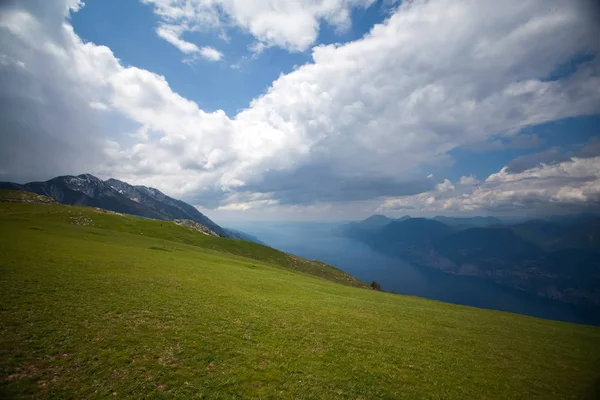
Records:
x=317, y=241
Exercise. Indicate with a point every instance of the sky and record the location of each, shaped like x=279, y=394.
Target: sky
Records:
x=310, y=109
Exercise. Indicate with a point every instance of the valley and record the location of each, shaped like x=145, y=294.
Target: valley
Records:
x=321, y=241
x=554, y=258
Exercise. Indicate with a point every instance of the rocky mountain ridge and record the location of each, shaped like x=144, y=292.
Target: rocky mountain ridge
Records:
x=118, y=196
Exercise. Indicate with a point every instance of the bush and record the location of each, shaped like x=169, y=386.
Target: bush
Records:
x=376, y=286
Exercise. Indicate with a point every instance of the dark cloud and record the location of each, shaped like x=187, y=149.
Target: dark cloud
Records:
x=204, y=198
x=39, y=128
x=535, y=206
x=590, y=149
x=46, y=127
x=553, y=155
x=318, y=183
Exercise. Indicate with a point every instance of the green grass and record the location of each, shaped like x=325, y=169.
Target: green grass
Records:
x=96, y=305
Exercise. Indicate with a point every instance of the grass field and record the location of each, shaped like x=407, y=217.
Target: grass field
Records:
x=96, y=305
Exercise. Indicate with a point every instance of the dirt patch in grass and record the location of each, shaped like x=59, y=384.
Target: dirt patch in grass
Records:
x=26, y=371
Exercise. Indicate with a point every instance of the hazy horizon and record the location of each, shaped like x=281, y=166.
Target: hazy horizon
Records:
x=297, y=215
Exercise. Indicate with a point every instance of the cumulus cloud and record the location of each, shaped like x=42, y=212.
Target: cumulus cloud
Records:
x=468, y=180
x=46, y=125
x=289, y=24
x=445, y=186
x=364, y=120
x=573, y=184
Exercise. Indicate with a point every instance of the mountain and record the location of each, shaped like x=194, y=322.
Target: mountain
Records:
x=85, y=190
x=235, y=234
x=399, y=235
x=362, y=229
x=115, y=195
x=463, y=222
x=557, y=234
x=541, y=231
x=375, y=222
x=159, y=202
x=485, y=246
x=386, y=233
x=379, y=221
x=558, y=260
x=502, y=254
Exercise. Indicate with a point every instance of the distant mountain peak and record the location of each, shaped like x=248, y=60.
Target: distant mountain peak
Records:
x=81, y=179
x=377, y=217
x=120, y=185
x=468, y=221
x=116, y=195
x=89, y=177
x=374, y=222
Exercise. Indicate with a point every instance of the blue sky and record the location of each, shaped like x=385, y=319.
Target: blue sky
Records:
x=127, y=28
x=295, y=109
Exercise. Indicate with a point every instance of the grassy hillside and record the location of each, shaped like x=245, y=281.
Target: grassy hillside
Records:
x=98, y=305
x=122, y=223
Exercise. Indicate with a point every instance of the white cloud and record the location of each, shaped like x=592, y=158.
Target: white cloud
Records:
x=211, y=53
x=75, y=5
x=289, y=24
x=172, y=34
x=445, y=186
x=247, y=201
x=572, y=184
x=468, y=180
x=436, y=76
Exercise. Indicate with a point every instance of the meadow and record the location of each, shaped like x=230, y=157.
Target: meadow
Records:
x=97, y=305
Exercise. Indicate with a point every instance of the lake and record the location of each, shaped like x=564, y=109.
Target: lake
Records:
x=316, y=241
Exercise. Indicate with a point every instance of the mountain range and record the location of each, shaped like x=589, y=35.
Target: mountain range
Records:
x=557, y=257
x=119, y=196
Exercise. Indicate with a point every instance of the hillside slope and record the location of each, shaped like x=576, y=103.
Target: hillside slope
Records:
x=173, y=231
x=97, y=305
x=115, y=195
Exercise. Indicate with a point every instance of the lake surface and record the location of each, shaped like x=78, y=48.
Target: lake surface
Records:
x=316, y=241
